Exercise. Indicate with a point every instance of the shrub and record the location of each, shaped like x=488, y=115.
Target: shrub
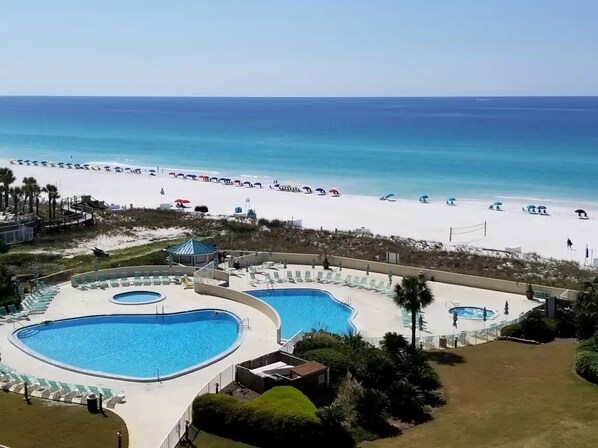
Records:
x=394, y=343
x=538, y=328
x=346, y=397
x=372, y=408
x=339, y=362
x=315, y=340
x=586, y=365
x=374, y=368
x=565, y=320
x=281, y=417
x=590, y=345
x=3, y=247
x=513, y=331
x=406, y=402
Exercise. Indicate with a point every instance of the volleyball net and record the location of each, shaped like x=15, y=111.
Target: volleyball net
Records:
x=476, y=228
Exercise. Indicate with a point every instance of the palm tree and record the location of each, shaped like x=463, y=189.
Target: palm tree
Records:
x=413, y=295
x=7, y=178
x=30, y=188
x=52, y=191
x=16, y=193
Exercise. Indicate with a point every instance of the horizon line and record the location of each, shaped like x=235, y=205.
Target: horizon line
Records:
x=291, y=96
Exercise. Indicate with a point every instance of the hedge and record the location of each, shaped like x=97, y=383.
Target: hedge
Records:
x=339, y=362
x=265, y=425
x=586, y=365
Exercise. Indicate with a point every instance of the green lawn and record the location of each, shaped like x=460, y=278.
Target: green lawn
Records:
x=46, y=423
x=508, y=395
x=207, y=440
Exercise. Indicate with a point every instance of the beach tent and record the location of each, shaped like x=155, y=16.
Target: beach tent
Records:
x=542, y=209
x=451, y=201
x=248, y=184
x=258, y=184
x=307, y=189
x=172, y=173
x=321, y=191
x=193, y=253
x=531, y=208
x=423, y=198
x=334, y=192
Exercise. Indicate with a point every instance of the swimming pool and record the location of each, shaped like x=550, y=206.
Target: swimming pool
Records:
x=307, y=309
x=473, y=312
x=140, y=297
x=134, y=347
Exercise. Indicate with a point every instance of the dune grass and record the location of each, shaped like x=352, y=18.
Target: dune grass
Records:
x=508, y=395
x=50, y=423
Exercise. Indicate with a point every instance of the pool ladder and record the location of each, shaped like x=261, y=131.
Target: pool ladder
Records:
x=245, y=323
x=159, y=314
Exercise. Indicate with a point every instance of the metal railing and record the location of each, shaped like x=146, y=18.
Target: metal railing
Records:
x=221, y=380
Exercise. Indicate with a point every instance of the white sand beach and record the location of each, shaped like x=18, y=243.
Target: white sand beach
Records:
x=545, y=235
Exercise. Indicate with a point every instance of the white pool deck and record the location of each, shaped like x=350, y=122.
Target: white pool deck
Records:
x=151, y=409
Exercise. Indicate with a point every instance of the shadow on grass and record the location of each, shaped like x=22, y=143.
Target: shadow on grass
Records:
x=445, y=358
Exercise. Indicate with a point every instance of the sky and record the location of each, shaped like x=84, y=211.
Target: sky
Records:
x=298, y=47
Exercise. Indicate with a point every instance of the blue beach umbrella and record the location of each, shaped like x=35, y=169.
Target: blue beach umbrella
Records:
x=307, y=189
x=223, y=179
x=423, y=198
x=248, y=184
x=321, y=190
x=531, y=207
x=388, y=195
x=497, y=203
x=258, y=184
x=451, y=201
x=180, y=175
x=214, y=179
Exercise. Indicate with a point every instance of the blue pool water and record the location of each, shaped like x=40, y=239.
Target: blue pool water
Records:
x=472, y=312
x=134, y=347
x=307, y=309
x=137, y=297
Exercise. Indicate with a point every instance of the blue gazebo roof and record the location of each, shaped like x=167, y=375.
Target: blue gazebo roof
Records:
x=193, y=247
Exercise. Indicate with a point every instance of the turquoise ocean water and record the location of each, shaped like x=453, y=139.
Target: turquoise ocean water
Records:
x=465, y=147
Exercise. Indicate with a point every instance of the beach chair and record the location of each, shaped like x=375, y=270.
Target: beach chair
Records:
x=307, y=276
x=67, y=388
x=114, y=280
x=177, y=277
x=55, y=386
x=124, y=279
x=370, y=286
x=137, y=280
x=277, y=277
x=147, y=281
x=363, y=282
x=82, y=390
x=290, y=277
x=320, y=277
x=298, y=278
x=165, y=278
x=46, y=386
x=269, y=279
x=107, y=393
x=337, y=278
x=4, y=316
x=79, y=284
x=91, y=282
x=253, y=280
x=156, y=278
x=13, y=311
x=348, y=280
x=102, y=283
x=429, y=342
x=328, y=278
x=95, y=390
x=32, y=383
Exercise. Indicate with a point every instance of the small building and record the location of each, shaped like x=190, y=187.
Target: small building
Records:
x=193, y=253
x=283, y=369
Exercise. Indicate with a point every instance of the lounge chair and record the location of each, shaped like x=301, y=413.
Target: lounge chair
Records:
x=137, y=280
x=362, y=283
x=80, y=284
x=95, y=390
x=371, y=285
x=307, y=276
x=107, y=393
x=4, y=316
x=165, y=278
x=124, y=279
x=177, y=277
x=328, y=278
x=82, y=390
x=348, y=280
x=156, y=278
x=67, y=388
x=337, y=278
x=102, y=283
x=13, y=311
x=147, y=281
x=252, y=280
x=290, y=277
x=269, y=279
x=298, y=278
x=91, y=282
x=320, y=277
x=277, y=277
x=114, y=280
x=45, y=385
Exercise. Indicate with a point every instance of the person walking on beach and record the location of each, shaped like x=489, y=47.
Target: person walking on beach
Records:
x=569, y=244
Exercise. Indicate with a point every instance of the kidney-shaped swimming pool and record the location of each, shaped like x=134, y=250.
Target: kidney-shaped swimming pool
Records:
x=135, y=347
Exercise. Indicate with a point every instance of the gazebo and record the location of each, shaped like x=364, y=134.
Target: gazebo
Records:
x=193, y=253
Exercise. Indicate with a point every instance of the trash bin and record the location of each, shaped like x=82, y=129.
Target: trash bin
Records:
x=237, y=265
x=92, y=403
x=442, y=341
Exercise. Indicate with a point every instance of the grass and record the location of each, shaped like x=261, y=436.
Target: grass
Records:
x=49, y=423
x=508, y=395
x=284, y=400
x=207, y=440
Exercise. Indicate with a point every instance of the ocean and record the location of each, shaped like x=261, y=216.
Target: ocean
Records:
x=509, y=147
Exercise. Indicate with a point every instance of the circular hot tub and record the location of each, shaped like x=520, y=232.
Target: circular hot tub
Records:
x=138, y=297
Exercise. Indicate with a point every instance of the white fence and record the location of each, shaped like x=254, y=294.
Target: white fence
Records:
x=289, y=346
x=205, y=273
x=221, y=380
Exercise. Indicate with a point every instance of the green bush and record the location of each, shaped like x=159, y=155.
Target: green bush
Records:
x=339, y=363
x=513, y=331
x=372, y=408
x=3, y=247
x=266, y=422
x=538, y=328
x=588, y=345
x=315, y=340
x=586, y=365
x=407, y=402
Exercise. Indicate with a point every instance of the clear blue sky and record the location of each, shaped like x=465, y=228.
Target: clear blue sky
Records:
x=299, y=47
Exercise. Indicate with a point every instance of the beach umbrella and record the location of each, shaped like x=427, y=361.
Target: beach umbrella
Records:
x=213, y=179
x=192, y=176
x=451, y=200
x=258, y=184
x=485, y=314
x=26, y=161
x=180, y=175
x=152, y=171
x=506, y=308
x=182, y=201
x=202, y=209
x=580, y=212
x=34, y=162
x=321, y=190
x=389, y=195
x=455, y=319
x=334, y=192
x=247, y=183
x=69, y=164
x=20, y=161
x=44, y=161
x=86, y=164
x=531, y=207
x=497, y=203
x=541, y=207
